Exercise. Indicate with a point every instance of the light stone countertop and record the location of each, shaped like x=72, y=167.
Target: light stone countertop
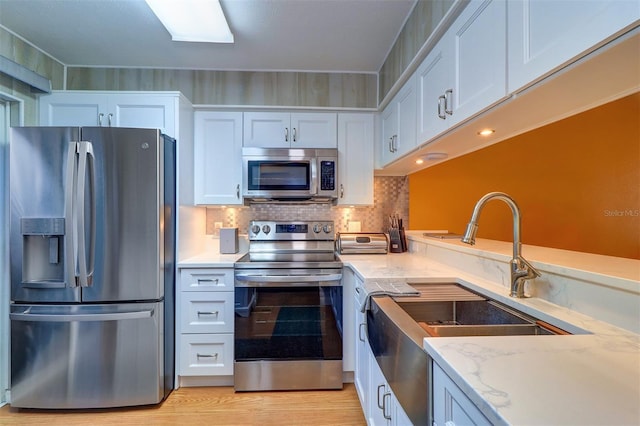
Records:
x=211, y=259
x=543, y=380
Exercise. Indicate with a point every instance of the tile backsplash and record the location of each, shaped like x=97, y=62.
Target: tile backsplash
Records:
x=391, y=196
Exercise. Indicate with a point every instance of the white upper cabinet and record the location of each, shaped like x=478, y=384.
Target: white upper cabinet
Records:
x=290, y=130
x=356, y=159
x=146, y=110
x=435, y=86
x=217, y=157
x=399, y=123
x=466, y=71
x=544, y=35
x=479, y=45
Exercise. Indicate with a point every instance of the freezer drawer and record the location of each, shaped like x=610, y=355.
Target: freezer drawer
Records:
x=94, y=356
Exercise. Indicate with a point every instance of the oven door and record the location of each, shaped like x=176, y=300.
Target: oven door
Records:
x=288, y=331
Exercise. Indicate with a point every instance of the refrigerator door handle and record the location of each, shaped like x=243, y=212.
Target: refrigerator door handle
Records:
x=118, y=316
x=92, y=236
x=70, y=219
x=86, y=161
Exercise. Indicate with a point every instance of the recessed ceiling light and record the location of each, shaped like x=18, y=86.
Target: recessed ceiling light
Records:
x=432, y=156
x=193, y=20
x=486, y=132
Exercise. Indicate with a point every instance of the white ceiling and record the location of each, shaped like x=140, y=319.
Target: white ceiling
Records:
x=304, y=35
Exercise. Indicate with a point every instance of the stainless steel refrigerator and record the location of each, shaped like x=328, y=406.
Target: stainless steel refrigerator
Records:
x=92, y=254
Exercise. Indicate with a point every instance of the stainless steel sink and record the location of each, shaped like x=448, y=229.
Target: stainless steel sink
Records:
x=396, y=328
x=487, y=330
x=468, y=314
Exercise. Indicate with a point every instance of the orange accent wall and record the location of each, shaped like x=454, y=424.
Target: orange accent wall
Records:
x=577, y=182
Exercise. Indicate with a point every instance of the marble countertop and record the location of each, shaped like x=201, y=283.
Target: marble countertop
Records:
x=591, y=378
x=211, y=259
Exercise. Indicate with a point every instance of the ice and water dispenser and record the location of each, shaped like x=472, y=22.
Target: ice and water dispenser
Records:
x=43, y=252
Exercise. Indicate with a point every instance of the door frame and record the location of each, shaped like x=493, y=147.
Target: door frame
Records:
x=11, y=114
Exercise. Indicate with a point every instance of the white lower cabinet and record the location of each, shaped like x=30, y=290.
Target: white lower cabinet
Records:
x=206, y=355
x=361, y=367
x=379, y=404
x=450, y=405
x=205, y=315
x=384, y=408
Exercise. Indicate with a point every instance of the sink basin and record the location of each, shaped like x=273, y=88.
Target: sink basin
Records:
x=487, y=330
x=396, y=328
x=469, y=314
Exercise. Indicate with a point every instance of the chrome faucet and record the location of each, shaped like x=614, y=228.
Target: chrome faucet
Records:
x=521, y=270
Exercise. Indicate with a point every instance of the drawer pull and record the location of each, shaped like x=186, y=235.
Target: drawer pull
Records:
x=207, y=355
x=208, y=281
x=208, y=313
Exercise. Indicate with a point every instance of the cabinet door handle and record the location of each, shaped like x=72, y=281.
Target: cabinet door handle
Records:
x=441, y=114
x=215, y=355
x=238, y=191
x=360, y=327
x=295, y=135
x=207, y=281
x=341, y=191
x=100, y=116
x=380, y=404
x=110, y=116
x=286, y=134
x=208, y=313
x=391, y=144
x=385, y=405
x=448, y=102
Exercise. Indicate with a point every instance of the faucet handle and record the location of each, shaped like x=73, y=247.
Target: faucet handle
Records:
x=528, y=268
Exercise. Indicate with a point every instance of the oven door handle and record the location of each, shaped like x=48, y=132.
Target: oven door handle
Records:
x=277, y=279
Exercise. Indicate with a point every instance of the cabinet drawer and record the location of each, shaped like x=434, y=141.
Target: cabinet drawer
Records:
x=206, y=355
x=206, y=279
x=207, y=312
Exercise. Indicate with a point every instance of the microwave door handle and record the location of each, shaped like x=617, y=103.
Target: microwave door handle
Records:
x=313, y=187
x=70, y=227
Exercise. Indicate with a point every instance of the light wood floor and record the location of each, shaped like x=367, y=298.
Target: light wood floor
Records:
x=197, y=406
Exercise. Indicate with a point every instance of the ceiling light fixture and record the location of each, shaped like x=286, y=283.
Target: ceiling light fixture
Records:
x=193, y=20
x=486, y=132
x=432, y=156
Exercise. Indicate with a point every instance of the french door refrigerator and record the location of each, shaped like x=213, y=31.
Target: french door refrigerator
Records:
x=92, y=256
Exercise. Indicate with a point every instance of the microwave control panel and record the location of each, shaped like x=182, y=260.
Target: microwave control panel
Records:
x=327, y=175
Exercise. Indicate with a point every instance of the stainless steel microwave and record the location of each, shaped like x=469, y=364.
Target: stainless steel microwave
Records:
x=289, y=175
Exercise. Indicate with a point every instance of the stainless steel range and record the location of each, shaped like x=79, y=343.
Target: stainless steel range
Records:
x=288, y=305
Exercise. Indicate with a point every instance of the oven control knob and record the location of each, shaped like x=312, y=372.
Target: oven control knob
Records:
x=317, y=228
x=255, y=229
x=266, y=229
x=327, y=229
